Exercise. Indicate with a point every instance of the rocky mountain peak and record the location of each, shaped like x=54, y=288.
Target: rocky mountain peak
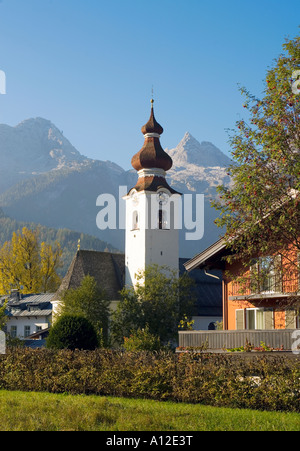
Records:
x=36, y=145
x=204, y=154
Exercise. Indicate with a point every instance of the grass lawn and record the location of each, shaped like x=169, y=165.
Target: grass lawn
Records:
x=48, y=412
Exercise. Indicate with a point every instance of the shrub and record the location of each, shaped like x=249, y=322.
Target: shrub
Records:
x=142, y=340
x=261, y=382
x=72, y=332
x=90, y=301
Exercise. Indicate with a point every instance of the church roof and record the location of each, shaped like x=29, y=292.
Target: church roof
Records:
x=108, y=270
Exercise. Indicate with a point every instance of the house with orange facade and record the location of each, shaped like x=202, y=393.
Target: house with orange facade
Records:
x=263, y=296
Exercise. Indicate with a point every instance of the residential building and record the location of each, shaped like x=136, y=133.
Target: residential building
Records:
x=267, y=295
x=27, y=314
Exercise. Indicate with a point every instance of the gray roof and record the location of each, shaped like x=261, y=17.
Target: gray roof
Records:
x=210, y=257
x=34, y=344
x=30, y=299
x=208, y=290
x=108, y=270
x=29, y=305
x=26, y=313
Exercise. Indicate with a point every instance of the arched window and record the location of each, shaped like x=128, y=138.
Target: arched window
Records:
x=162, y=219
x=135, y=220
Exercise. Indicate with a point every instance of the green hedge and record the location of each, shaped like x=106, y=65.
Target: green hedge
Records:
x=261, y=382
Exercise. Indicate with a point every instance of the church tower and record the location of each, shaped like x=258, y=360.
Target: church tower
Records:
x=152, y=208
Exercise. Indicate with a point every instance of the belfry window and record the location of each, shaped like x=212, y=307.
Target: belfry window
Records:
x=135, y=220
x=162, y=218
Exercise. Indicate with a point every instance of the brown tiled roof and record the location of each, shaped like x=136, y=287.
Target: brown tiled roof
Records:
x=152, y=155
x=107, y=268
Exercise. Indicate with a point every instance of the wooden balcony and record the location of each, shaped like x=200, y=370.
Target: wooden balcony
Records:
x=272, y=287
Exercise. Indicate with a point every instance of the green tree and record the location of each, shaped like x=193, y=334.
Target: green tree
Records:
x=158, y=304
x=72, y=332
x=90, y=301
x=142, y=340
x=260, y=210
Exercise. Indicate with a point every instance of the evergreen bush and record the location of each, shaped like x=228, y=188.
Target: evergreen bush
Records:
x=72, y=332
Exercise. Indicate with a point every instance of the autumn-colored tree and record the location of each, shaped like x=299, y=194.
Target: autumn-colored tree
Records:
x=3, y=316
x=50, y=261
x=260, y=210
x=27, y=265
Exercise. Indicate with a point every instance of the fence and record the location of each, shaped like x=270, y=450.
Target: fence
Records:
x=237, y=338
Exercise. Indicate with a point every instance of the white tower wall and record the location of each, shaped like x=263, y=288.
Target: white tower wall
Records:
x=146, y=243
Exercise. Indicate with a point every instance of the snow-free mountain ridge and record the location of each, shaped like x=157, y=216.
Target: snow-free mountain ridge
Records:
x=191, y=152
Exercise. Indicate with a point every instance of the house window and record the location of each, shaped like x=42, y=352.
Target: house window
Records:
x=13, y=331
x=254, y=319
x=26, y=331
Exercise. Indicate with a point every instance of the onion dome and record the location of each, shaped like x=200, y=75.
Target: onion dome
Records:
x=152, y=125
x=152, y=154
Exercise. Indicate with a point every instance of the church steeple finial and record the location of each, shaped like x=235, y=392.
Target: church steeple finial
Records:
x=152, y=125
x=152, y=96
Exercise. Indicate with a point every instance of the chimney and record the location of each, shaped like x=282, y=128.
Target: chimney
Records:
x=15, y=295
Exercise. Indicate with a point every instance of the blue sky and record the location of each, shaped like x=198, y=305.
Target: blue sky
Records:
x=89, y=66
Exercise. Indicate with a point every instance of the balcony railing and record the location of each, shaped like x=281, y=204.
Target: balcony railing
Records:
x=270, y=286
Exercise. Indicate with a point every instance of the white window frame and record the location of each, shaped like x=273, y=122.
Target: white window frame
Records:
x=14, y=331
x=28, y=332
x=256, y=310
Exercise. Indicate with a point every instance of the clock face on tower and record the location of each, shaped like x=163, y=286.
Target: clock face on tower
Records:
x=162, y=198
